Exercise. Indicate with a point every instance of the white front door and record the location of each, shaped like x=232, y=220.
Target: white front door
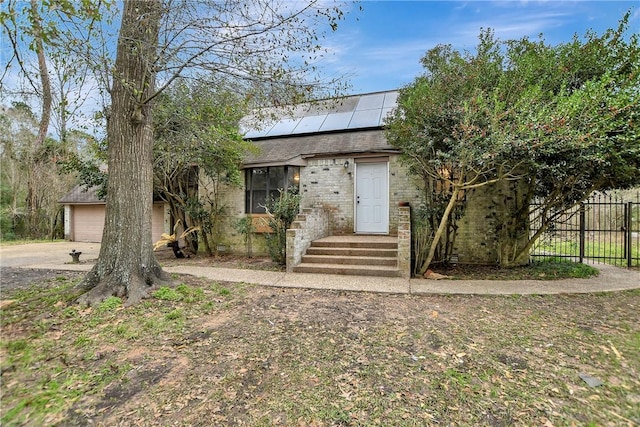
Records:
x=372, y=198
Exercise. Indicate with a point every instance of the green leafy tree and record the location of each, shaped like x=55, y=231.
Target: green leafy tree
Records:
x=29, y=168
x=444, y=126
x=575, y=122
x=559, y=122
x=198, y=146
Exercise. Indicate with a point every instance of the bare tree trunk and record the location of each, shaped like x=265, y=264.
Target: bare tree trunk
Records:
x=44, y=77
x=441, y=228
x=127, y=266
x=33, y=203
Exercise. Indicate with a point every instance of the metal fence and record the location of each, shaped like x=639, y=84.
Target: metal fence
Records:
x=603, y=229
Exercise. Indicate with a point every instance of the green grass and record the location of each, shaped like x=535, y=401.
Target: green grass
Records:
x=109, y=304
x=557, y=268
x=181, y=292
x=605, y=252
x=28, y=241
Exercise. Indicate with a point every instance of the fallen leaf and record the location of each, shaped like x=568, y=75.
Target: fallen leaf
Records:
x=432, y=275
x=615, y=350
x=6, y=303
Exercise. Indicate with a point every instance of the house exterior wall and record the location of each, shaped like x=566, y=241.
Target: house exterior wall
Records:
x=67, y=222
x=477, y=238
x=326, y=183
x=403, y=188
x=231, y=199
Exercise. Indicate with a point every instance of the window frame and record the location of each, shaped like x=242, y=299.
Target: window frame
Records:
x=288, y=179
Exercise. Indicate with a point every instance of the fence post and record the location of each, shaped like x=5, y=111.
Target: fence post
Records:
x=628, y=236
x=582, y=231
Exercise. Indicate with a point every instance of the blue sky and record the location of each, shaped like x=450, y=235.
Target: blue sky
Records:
x=381, y=46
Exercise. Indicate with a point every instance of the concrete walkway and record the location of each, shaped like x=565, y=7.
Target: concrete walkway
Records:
x=56, y=256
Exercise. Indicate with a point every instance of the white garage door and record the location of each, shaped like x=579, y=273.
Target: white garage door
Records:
x=87, y=222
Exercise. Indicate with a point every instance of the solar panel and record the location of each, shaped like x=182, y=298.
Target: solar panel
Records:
x=310, y=124
x=352, y=112
x=365, y=119
x=256, y=132
x=284, y=127
x=370, y=102
x=390, y=100
x=336, y=121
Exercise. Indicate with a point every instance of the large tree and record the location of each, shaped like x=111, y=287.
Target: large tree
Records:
x=126, y=265
x=559, y=121
x=269, y=47
x=575, y=122
x=444, y=125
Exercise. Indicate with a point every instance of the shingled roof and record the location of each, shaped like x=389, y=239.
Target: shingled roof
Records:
x=81, y=195
x=294, y=150
x=347, y=125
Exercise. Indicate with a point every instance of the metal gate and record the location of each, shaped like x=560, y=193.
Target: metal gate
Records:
x=603, y=229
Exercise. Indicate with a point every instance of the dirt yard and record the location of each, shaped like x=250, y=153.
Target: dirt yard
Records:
x=205, y=354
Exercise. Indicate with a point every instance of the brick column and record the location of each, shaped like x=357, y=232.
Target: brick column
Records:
x=404, y=241
x=309, y=225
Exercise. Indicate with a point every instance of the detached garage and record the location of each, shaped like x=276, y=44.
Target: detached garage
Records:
x=84, y=216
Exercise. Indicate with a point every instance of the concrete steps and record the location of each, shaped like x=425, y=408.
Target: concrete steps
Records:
x=352, y=255
x=352, y=259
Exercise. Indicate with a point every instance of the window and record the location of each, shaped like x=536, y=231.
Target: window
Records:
x=263, y=184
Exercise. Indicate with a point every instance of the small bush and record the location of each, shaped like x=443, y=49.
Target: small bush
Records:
x=282, y=212
x=245, y=227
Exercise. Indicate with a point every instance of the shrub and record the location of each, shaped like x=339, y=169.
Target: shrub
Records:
x=282, y=212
